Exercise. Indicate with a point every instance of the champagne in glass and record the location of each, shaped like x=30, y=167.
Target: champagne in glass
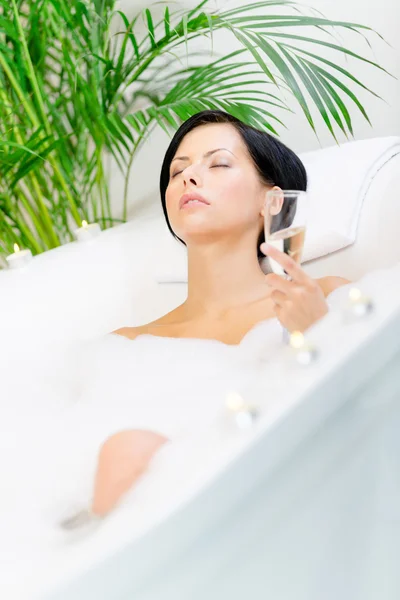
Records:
x=285, y=228
x=285, y=224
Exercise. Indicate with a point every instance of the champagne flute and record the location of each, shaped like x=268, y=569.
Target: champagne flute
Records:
x=285, y=221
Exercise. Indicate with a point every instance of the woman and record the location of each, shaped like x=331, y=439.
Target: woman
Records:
x=214, y=180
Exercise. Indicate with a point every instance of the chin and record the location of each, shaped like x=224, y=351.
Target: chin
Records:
x=199, y=235
x=194, y=226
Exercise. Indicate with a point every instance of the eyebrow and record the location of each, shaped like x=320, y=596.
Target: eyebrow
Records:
x=206, y=155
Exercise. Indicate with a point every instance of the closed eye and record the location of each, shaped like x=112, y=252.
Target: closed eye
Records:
x=212, y=167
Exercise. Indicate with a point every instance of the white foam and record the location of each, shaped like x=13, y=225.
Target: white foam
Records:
x=59, y=401
x=72, y=397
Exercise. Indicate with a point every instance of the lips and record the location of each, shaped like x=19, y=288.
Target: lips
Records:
x=192, y=198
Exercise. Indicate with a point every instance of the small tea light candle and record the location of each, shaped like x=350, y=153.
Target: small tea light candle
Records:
x=358, y=304
x=305, y=352
x=87, y=232
x=19, y=259
x=243, y=414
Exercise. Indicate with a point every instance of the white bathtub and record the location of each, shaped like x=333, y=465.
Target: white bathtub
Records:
x=308, y=509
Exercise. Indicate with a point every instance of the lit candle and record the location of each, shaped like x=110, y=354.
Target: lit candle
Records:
x=87, y=232
x=243, y=414
x=305, y=352
x=19, y=259
x=358, y=304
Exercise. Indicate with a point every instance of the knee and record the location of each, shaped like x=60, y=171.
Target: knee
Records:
x=123, y=458
x=136, y=444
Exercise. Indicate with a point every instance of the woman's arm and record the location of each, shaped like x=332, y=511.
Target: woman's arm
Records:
x=129, y=332
x=330, y=284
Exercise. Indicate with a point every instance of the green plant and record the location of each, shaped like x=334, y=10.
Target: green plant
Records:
x=70, y=84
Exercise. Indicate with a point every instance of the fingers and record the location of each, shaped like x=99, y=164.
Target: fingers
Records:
x=280, y=283
x=289, y=265
x=279, y=298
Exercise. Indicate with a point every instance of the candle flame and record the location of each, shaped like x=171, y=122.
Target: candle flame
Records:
x=234, y=402
x=84, y=224
x=297, y=340
x=16, y=248
x=355, y=294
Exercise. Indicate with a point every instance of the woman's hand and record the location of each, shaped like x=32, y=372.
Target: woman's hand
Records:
x=299, y=303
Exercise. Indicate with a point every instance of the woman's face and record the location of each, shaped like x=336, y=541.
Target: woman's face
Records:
x=214, y=191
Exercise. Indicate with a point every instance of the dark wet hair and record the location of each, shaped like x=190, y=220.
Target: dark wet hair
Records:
x=276, y=163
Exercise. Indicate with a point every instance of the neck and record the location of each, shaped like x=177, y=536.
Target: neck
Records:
x=222, y=278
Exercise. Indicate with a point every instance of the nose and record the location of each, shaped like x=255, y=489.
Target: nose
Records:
x=191, y=176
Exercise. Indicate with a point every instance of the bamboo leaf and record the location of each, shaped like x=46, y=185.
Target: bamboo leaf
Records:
x=333, y=66
x=196, y=9
x=346, y=90
x=325, y=96
x=287, y=75
x=339, y=102
x=335, y=47
x=167, y=22
x=150, y=27
x=29, y=165
x=8, y=28
x=268, y=21
x=248, y=44
x=313, y=92
x=128, y=35
x=256, y=5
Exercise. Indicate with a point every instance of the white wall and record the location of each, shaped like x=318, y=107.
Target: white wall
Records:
x=383, y=16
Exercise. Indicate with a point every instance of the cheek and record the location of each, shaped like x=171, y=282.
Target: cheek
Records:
x=240, y=196
x=170, y=199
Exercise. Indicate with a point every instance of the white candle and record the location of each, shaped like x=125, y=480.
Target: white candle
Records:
x=87, y=232
x=358, y=304
x=305, y=352
x=19, y=259
x=243, y=414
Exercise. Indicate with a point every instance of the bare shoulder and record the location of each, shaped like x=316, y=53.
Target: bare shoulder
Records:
x=331, y=283
x=130, y=332
x=133, y=332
